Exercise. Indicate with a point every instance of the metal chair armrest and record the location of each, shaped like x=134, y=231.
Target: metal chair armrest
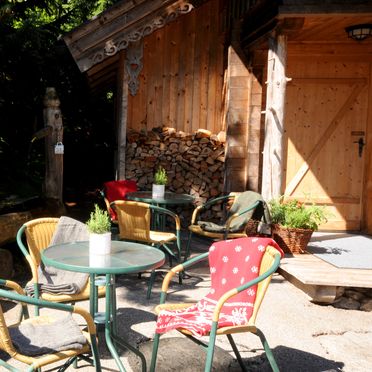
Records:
x=177, y=269
x=16, y=287
x=51, y=305
x=169, y=213
x=12, y=285
x=20, y=242
x=208, y=204
x=26, y=253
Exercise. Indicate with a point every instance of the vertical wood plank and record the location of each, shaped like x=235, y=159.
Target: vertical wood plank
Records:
x=158, y=81
x=195, y=121
x=166, y=74
x=174, y=48
x=214, y=96
x=367, y=187
x=189, y=75
x=205, y=40
x=274, y=126
x=151, y=81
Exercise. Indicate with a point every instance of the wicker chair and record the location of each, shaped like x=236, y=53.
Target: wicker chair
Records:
x=239, y=282
x=35, y=362
x=38, y=234
x=135, y=224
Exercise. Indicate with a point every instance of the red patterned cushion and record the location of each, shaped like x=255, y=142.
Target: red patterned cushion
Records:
x=117, y=190
x=232, y=263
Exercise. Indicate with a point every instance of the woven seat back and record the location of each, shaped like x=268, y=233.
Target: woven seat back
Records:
x=39, y=233
x=266, y=263
x=5, y=341
x=134, y=220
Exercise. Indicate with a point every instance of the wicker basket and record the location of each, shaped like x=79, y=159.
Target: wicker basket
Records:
x=252, y=227
x=291, y=240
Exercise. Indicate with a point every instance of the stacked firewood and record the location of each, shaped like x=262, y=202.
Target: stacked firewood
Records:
x=194, y=162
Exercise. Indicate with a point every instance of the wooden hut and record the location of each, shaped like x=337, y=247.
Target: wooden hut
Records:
x=288, y=81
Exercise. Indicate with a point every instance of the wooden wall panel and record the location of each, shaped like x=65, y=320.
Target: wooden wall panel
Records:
x=182, y=77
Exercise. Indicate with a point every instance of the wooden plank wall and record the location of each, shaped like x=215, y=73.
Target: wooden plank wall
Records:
x=181, y=84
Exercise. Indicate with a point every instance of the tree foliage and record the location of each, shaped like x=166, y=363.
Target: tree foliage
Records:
x=32, y=57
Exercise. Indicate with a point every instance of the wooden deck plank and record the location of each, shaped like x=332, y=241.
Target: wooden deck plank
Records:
x=319, y=279
x=310, y=269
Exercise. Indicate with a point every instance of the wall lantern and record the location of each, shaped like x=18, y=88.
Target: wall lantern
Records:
x=359, y=32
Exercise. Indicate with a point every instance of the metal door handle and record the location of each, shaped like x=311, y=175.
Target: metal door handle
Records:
x=361, y=144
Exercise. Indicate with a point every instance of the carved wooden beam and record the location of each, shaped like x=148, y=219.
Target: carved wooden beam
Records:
x=107, y=35
x=133, y=65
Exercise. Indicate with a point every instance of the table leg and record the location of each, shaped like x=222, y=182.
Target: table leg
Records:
x=108, y=323
x=110, y=327
x=92, y=296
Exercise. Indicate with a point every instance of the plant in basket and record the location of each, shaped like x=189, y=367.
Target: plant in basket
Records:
x=294, y=222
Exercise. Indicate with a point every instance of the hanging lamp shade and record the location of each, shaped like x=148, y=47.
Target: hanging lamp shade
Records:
x=359, y=32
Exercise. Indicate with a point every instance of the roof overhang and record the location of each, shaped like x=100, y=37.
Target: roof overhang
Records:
x=113, y=30
x=306, y=21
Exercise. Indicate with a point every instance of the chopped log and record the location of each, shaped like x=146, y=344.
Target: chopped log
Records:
x=194, y=161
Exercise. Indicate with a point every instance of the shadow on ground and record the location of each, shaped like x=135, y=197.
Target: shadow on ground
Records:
x=176, y=354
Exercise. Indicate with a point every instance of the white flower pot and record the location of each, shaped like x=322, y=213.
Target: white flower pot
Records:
x=158, y=191
x=101, y=260
x=99, y=244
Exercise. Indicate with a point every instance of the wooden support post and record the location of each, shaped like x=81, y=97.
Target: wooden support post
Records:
x=53, y=162
x=272, y=173
x=122, y=117
x=237, y=81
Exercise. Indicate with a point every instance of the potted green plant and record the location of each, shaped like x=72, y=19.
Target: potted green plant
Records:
x=160, y=180
x=99, y=227
x=293, y=223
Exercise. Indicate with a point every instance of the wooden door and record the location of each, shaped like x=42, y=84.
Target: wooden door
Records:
x=325, y=132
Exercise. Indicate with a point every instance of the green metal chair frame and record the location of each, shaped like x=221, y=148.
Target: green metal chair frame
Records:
x=269, y=264
x=35, y=363
x=194, y=228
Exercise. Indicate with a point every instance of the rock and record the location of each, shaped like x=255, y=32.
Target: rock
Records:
x=339, y=292
x=6, y=264
x=366, y=305
x=347, y=303
x=353, y=294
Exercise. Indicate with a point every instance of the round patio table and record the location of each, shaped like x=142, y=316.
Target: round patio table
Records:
x=170, y=198
x=124, y=258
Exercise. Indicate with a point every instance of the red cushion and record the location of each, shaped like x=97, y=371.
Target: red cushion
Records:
x=117, y=190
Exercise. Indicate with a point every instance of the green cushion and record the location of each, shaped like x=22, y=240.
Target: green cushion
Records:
x=242, y=202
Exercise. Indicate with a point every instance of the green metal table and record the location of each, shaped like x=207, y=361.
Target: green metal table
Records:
x=125, y=258
x=170, y=199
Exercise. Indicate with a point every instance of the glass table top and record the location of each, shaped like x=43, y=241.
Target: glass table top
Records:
x=125, y=257
x=169, y=198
